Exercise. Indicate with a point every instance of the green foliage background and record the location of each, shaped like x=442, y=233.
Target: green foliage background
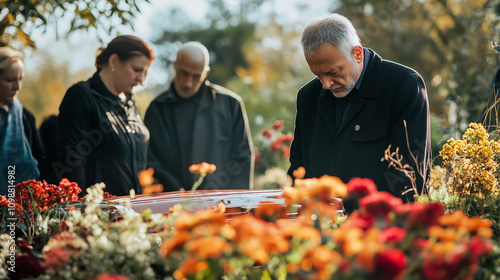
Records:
x=256, y=52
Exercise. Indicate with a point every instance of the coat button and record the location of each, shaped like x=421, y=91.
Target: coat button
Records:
x=357, y=127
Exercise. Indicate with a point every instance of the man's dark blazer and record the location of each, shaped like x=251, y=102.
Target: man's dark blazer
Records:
x=389, y=94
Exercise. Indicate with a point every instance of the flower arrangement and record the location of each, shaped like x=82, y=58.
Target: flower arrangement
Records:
x=383, y=239
x=272, y=150
x=473, y=166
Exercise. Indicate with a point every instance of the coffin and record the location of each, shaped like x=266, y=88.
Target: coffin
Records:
x=237, y=202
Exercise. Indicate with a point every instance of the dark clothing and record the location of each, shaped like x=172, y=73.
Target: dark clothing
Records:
x=220, y=136
x=48, y=135
x=390, y=93
x=33, y=138
x=100, y=138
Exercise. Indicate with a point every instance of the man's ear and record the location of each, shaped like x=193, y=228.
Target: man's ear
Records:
x=206, y=73
x=358, y=53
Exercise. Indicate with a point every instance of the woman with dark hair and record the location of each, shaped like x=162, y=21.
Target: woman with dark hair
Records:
x=101, y=136
x=20, y=147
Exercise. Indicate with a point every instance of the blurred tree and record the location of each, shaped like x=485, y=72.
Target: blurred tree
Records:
x=20, y=18
x=46, y=83
x=447, y=42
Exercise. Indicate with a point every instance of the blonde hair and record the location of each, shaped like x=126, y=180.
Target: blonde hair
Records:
x=8, y=56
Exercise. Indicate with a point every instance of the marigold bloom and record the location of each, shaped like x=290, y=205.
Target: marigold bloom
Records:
x=296, y=229
x=299, y=172
x=146, y=177
x=174, y=243
x=190, y=266
x=208, y=247
x=187, y=221
x=323, y=260
x=156, y=188
x=257, y=239
x=202, y=168
x=270, y=211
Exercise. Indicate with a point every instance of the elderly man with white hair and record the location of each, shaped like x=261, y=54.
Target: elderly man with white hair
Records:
x=196, y=121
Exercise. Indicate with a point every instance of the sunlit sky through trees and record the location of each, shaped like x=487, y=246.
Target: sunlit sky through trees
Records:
x=79, y=47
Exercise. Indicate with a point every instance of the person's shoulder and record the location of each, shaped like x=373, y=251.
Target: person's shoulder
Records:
x=313, y=85
x=391, y=67
x=222, y=91
x=166, y=95
x=27, y=113
x=78, y=90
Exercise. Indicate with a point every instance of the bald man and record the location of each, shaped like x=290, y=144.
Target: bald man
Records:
x=196, y=121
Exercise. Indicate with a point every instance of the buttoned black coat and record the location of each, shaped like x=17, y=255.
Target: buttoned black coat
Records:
x=389, y=94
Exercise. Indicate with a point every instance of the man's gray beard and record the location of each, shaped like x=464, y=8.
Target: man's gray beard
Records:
x=356, y=73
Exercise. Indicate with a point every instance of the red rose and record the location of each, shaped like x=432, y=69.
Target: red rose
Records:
x=267, y=133
x=379, y=203
x=421, y=215
x=361, y=187
x=393, y=235
x=111, y=277
x=390, y=264
x=27, y=266
x=278, y=124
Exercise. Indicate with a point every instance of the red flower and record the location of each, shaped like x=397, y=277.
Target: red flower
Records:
x=278, y=124
x=111, y=277
x=276, y=145
x=4, y=202
x=379, y=203
x=27, y=266
x=390, y=264
x=361, y=187
x=393, y=235
x=421, y=215
x=267, y=133
x=359, y=220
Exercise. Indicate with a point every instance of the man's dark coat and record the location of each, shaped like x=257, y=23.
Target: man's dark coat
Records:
x=389, y=94
x=221, y=136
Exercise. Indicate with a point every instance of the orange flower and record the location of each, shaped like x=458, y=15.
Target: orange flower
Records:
x=157, y=188
x=189, y=267
x=323, y=259
x=296, y=229
x=270, y=211
x=202, y=168
x=146, y=177
x=208, y=247
x=174, y=243
x=257, y=239
x=299, y=172
x=187, y=221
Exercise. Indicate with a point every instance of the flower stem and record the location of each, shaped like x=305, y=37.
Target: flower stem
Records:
x=198, y=183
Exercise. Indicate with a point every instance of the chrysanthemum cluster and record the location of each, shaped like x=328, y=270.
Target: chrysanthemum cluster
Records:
x=472, y=163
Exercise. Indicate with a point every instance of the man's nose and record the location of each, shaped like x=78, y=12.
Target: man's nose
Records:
x=327, y=83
